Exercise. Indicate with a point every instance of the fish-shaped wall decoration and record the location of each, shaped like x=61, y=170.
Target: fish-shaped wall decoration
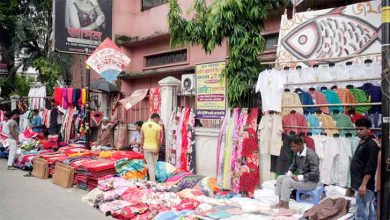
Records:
x=329, y=36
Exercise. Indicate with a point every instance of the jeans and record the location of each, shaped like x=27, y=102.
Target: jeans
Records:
x=365, y=206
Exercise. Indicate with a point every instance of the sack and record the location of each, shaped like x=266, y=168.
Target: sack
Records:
x=63, y=175
x=122, y=142
x=40, y=168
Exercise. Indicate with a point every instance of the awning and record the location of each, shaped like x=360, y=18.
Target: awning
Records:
x=135, y=97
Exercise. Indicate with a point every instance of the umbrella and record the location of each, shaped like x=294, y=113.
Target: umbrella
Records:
x=103, y=85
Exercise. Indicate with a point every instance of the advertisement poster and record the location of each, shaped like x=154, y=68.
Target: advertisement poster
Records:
x=81, y=25
x=154, y=100
x=210, y=91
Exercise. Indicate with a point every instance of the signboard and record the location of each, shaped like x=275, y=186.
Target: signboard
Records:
x=210, y=91
x=350, y=33
x=154, y=100
x=81, y=25
x=108, y=60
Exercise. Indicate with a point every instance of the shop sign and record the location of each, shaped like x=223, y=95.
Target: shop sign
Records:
x=81, y=25
x=154, y=100
x=349, y=33
x=108, y=60
x=210, y=91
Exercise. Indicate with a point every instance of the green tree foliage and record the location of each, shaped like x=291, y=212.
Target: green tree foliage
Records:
x=29, y=33
x=240, y=23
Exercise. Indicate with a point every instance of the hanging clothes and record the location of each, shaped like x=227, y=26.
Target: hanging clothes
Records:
x=374, y=95
x=332, y=98
x=361, y=97
x=343, y=121
x=346, y=97
x=221, y=144
x=319, y=98
x=271, y=130
x=290, y=98
x=306, y=99
x=294, y=122
x=327, y=123
x=270, y=84
x=314, y=124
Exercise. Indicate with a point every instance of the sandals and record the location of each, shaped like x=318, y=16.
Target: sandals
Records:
x=27, y=175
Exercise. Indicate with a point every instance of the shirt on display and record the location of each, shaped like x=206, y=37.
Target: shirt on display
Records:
x=290, y=98
x=346, y=97
x=330, y=149
x=327, y=123
x=342, y=162
x=306, y=99
x=294, y=122
x=343, y=121
x=375, y=95
x=270, y=84
x=319, y=98
x=271, y=134
x=332, y=98
x=361, y=97
x=314, y=124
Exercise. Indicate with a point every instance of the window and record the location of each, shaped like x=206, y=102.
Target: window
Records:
x=147, y=4
x=271, y=41
x=161, y=59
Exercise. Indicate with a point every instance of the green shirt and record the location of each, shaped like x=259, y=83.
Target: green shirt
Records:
x=361, y=97
x=343, y=121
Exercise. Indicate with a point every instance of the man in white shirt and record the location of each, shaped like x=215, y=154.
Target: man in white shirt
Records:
x=306, y=165
x=4, y=125
x=135, y=140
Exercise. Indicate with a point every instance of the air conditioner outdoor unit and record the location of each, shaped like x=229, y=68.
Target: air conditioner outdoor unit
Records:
x=188, y=84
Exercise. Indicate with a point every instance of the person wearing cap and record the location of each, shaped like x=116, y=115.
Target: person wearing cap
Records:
x=106, y=133
x=135, y=140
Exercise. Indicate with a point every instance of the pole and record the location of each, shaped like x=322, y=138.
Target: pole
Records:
x=87, y=109
x=384, y=211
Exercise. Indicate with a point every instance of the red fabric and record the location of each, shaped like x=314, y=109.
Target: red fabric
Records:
x=319, y=99
x=187, y=204
x=354, y=117
x=184, y=145
x=127, y=155
x=28, y=133
x=295, y=119
x=70, y=96
x=309, y=142
x=154, y=100
x=249, y=178
x=99, y=165
x=57, y=96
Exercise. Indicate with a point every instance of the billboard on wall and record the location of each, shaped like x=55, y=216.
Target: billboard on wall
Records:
x=210, y=91
x=81, y=25
x=351, y=33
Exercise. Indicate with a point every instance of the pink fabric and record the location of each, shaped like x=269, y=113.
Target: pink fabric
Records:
x=70, y=96
x=294, y=119
x=64, y=98
x=184, y=144
x=319, y=99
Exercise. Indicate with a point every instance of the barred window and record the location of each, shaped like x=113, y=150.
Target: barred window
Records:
x=178, y=56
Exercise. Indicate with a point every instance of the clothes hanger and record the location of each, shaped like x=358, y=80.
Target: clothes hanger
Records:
x=302, y=134
x=318, y=112
x=367, y=61
x=324, y=88
x=298, y=67
x=297, y=90
x=348, y=135
x=331, y=64
x=315, y=66
x=293, y=111
x=271, y=112
x=350, y=86
x=336, y=112
x=287, y=90
x=312, y=89
x=349, y=63
x=324, y=133
x=334, y=87
x=336, y=135
x=309, y=134
x=351, y=112
x=286, y=68
x=292, y=133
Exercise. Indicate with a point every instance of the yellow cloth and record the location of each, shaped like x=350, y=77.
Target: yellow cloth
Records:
x=106, y=154
x=327, y=122
x=83, y=96
x=151, y=129
x=136, y=174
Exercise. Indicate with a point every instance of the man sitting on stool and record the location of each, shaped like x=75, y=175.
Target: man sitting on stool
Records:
x=305, y=163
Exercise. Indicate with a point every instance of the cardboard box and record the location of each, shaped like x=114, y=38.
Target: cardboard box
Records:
x=40, y=168
x=63, y=175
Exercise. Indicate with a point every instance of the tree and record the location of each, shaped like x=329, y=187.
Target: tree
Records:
x=239, y=22
x=31, y=41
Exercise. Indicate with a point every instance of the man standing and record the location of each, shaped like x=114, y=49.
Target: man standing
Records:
x=36, y=124
x=150, y=143
x=306, y=165
x=13, y=138
x=363, y=168
x=4, y=124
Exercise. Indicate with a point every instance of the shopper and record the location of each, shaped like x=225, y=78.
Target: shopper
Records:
x=135, y=140
x=363, y=168
x=36, y=123
x=13, y=138
x=151, y=142
x=4, y=124
x=106, y=133
x=306, y=165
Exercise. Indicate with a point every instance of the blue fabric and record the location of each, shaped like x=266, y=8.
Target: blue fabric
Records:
x=172, y=215
x=375, y=94
x=164, y=170
x=306, y=99
x=365, y=206
x=36, y=121
x=332, y=98
x=313, y=121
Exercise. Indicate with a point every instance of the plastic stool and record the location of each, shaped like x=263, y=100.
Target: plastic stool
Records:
x=311, y=197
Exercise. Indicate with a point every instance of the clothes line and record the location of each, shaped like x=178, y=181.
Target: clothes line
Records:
x=329, y=128
x=333, y=81
x=326, y=60
x=326, y=105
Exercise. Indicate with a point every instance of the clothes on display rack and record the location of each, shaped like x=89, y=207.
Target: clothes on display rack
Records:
x=294, y=122
x=319, y=98
x=70, y=97
x=327, y=122
x=343, y=121
x=306, y=99
x=291, y=98
x=271, y=84
x=271, y=130
x=332, y=98
x=37, y=97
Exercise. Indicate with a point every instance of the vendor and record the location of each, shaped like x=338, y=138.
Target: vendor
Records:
x=106, y=133
x=135, y=140
x=306, y=165
x=36, y=123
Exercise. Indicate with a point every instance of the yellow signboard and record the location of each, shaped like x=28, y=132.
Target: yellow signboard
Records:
x=210, y=91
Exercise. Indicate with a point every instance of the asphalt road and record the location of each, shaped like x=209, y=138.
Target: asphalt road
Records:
x=30, y=198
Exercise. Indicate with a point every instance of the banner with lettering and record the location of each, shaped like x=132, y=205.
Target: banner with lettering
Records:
x=210, y=91
x=108, y=60
x=154, y=100
x=81, y=25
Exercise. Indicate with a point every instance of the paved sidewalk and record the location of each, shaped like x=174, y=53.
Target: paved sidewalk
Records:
x=30, y=198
